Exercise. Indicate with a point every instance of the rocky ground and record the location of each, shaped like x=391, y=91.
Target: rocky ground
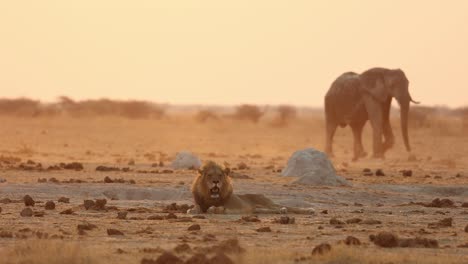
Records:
x=103, y=191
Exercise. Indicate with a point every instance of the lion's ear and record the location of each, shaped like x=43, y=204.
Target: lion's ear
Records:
x=227, y=171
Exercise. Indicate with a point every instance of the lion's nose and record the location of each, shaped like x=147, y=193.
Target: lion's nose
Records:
x=215, y=182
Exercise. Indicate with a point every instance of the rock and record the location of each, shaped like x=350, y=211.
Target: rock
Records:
x=379, y=172
x=350, y=240
x=6, y=234
x=441, y=203
x=464, y=205
x=418, y=243
x=367, y=172
x=122, y=215
x=335, y=221
x=28, y=200
x=155, y=217
x=171, y=216
x=182, y=248
x=264, y=229
x=242, y=166
x=131, y=162
x=105, y=168
x=50, y=205
x=88, y=204
x=64, y=200
x=353, y=221
x=100, y=204
x=39, y=214
x=67, y=211
x=220, y=258
x=165, y=258
x=5, y=201
x=107, y=179
x=86, y=226
x=313, y=168
x=446, y=222
x=284, y=220
x=0, y=210
x=466, y=228
x=186, y=160
x=407, y=173
x=250, y=218
x=194, y=227
x=321, y=249
x=114, y=232
x=371, y=222
x=385, y=239
x=26, y=212
x=198, y=258
x=73, y=166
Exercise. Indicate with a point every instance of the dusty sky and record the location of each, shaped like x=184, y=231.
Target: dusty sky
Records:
x=228, y=52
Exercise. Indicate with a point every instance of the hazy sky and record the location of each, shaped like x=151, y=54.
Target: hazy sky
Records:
x=228, y=52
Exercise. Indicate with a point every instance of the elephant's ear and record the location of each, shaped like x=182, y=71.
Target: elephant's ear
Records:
x=373, y=83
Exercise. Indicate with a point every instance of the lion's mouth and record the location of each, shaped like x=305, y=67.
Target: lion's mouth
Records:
x=214, y=192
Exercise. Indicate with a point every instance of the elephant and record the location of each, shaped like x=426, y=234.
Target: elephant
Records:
x=353, y=98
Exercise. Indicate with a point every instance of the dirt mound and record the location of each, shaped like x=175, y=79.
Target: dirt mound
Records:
x=186, y=160
x=313, y=168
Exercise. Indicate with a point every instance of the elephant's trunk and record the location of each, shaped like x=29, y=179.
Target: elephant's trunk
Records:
x=404, y=111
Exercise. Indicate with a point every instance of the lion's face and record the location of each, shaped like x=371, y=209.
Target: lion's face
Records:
x=215, y=180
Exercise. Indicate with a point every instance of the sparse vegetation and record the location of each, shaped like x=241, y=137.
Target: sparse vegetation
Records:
x=285, y=114
x=206, y=115
x=248, y=112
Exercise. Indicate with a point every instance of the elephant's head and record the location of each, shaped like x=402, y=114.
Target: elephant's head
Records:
x=383, y=84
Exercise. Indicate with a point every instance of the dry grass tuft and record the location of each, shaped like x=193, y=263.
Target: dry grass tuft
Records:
x=48, y=252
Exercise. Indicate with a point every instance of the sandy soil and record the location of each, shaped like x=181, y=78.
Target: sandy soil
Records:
x=398, y=203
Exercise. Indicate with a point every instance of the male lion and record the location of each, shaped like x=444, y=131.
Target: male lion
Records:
x=213, y=193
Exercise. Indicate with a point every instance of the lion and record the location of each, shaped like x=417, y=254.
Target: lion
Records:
x=213, y=193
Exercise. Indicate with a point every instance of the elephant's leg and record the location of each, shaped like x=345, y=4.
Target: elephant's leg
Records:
x=330, y=133
x=374, y=110
x=387, y=128
x=357, y=133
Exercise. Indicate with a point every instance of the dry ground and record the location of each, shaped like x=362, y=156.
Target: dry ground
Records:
x=439, y=171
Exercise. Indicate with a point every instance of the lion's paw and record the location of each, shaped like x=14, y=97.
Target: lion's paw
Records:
x=194, y=211
x=216, y=210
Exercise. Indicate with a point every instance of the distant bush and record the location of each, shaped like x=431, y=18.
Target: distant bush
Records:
x=285, y=114
x=420, y=116
x=206, y=115
x=86, y=108
x=248, y=112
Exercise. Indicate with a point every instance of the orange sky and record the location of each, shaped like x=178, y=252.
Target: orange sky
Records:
x=228, y=52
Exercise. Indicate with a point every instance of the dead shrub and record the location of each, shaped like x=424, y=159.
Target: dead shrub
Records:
x=248, y=112
x=285, y=114
x=206, y=115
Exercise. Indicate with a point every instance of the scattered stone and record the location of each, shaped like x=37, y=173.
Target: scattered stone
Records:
x=179, y=208
x=250, y=218
x=26, y=212
x=407, y=173
x=236, y=175
x=418, y=243
x=122, y=215
x=114, y=232
x=107, y=179
x=446, y=222
x=88, y=204
x=42, y=180
x=53, y=180
x=6, y=234
x=371, y=222
x=354, y=221
x=379, y=172
x=0, y=210
x=39, y=214
x=350, y=240
x=464, y=205
x=367, y=172
x=324, y=212
x=131, y=162
x=198, y=217
x=186, y=160
x=67, y=212
x=441, y=203
x=335, y=221
x=264, y=229
x=155, y=217
x=194, y=227
x=284, y=220
x=28, y=200
x=73, y=166
x=64, y=200
x=6, y=201
x=313, y=168
x=321, y=249
x=105, y=168
x=385, y=239
x=100, y=204
x=220, y=257
x=86, y=226
x=466, y=228
x=182, y=248
x=198, y=258
x=171, y=216
x=242, y=166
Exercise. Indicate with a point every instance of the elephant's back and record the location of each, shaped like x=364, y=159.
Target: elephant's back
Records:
x=343, y=95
